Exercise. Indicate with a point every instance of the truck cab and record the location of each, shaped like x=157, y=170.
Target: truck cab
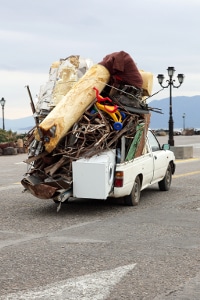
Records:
x=155, y=165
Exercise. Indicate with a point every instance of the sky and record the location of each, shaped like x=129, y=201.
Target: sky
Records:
x=35, y=33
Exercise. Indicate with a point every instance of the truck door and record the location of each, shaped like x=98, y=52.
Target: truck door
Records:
x=147, y=166
x=160, y=160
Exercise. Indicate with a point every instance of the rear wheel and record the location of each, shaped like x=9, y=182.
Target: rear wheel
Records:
x=165, y=183
x=134, y=197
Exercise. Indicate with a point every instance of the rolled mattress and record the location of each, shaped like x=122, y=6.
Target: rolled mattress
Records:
x=72, y=106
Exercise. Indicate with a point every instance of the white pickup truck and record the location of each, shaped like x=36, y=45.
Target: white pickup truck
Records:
x=101, y=177
x=93, y=143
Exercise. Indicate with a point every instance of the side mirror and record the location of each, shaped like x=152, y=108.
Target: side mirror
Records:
x=165, y=147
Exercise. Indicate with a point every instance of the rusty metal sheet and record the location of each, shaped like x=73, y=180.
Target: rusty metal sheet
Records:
x=41, y=191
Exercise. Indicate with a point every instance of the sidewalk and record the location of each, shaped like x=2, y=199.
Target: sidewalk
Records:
x=181, y=140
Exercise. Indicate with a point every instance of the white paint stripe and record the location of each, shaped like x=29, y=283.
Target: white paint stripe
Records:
x=11, y=186
x=57, y=236
x=186, y=174
x=95, y=286
x=186, y=160
x=12, y=242
x=79, y=225
x=73, y=240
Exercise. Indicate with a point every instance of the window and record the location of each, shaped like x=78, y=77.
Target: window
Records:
x=155, y=146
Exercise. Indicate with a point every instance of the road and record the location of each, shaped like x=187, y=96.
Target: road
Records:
x=102, y=250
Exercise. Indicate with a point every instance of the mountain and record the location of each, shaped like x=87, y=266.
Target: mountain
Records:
x=21, y=125
x=190, y=106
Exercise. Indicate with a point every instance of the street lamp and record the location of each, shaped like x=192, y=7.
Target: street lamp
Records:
x=183, y=121
x=3, y=101
x=170, y=84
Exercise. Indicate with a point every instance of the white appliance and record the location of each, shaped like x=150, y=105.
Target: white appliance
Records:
x=93, y=177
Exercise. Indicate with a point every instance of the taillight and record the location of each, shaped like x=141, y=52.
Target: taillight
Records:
x=119, y=179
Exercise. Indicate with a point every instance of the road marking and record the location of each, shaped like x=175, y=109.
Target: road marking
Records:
x=60, y=236
x=73, y=240
x=186, y=174
x=179, y=161
x=57, y=236
x=94, y=286
x=11, y=186
x=13, y=242
x=79, y=225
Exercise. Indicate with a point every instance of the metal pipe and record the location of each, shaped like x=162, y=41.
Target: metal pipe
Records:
x=170, y=84
x=171, y=121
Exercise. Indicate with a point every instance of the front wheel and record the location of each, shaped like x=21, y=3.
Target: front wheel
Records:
x=165, y=183
x=134, y=197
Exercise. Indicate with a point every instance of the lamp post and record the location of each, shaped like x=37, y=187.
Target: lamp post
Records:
x=170, y=84
x=183, y=121
x=3, y=101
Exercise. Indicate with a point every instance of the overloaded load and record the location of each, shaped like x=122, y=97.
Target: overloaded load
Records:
x=76, y=117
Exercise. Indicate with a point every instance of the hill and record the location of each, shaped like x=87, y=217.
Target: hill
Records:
x=180, y=105
x=21, y=125
x=190, y=106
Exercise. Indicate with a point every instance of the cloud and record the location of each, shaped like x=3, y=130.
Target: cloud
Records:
x=16, y=95
x=156, y=34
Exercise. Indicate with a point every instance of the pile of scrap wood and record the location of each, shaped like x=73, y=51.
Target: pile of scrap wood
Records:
x=81, y=123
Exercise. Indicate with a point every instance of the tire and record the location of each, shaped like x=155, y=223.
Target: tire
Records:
x=165, y=183
x=134, y=197
x=117, y=126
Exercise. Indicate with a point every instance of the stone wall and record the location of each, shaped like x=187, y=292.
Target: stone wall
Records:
x=12, y=148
